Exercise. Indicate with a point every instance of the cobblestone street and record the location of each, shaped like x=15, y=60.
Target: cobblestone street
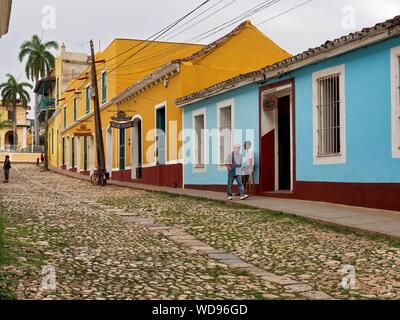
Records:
x=121, y=243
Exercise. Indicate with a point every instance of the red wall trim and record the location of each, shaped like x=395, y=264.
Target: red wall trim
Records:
x=164, y=175
x=368, y=195
x=122, y=175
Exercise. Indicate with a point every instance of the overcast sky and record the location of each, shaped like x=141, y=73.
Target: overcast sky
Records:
x=78, y=21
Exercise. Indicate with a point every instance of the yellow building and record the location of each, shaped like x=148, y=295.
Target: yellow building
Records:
x=122, y=63
x=140, y=88
x=6, y=133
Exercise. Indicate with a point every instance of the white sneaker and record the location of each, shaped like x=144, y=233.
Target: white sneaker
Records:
x=230, y=198
x=244, y=197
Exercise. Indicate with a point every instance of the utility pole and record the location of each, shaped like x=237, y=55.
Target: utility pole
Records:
x=46, y=140
x=97, y=121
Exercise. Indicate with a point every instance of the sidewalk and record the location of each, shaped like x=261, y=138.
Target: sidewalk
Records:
x=372, y=221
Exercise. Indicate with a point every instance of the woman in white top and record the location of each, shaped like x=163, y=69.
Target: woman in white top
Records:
x=248, y=164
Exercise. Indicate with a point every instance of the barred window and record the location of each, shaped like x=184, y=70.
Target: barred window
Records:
x=395, y=95
x=225, y=131
x=199, y=140
x=398, y=101
x=328, y=116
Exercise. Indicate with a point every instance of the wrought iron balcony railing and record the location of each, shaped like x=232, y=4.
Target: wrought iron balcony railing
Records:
x=46, y=102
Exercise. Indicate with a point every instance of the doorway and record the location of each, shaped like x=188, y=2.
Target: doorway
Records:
x=136, y=138
x=276, y=141
x=284, y=143
x=160, y=136
x=122, y=140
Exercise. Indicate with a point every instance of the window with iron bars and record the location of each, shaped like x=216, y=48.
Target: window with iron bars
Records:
x=199, y=140
x=225, y=131
x=398, y=100
x=328, y=116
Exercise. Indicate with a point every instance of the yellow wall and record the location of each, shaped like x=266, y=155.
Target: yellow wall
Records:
x=21, y=157
x=21, y=121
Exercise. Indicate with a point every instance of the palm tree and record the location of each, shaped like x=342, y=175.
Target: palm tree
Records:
x=13, y=93
x=40, y=61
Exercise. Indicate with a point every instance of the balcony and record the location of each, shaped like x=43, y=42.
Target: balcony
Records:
x=45, y=103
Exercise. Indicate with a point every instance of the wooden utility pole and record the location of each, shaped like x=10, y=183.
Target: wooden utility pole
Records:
x=46, y=140
x=97, y=121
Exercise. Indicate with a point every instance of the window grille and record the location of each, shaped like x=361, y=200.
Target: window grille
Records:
x=329, y=113
x=199, y=139
x=398, y=100
x=225, y=130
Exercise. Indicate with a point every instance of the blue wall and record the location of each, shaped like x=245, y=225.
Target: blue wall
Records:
x=368, y=120
x=246, y=117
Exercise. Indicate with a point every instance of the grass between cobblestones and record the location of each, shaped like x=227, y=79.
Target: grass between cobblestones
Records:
x=310, y=251
x=5, y=278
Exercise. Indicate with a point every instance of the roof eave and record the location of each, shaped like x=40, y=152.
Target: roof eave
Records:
x=147, y=82
x=330, y=49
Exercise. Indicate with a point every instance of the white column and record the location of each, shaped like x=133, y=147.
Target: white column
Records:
x=24, y=137
x=133, y=153
x=68, y=153
x=78, y=154
x=109, y=161
x=91, y=155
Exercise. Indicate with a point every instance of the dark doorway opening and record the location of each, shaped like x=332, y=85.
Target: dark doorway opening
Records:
x=160, y=137
x=122, y=149
x=284, y=142
x=139, y=151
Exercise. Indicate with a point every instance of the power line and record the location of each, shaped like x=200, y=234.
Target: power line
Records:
x=161, y=31
x=258, y=8
x=161, y=34
x=284, y=12
x=254, y=10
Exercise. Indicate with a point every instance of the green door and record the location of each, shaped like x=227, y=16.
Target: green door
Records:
x=122, y=149
x=85, y=154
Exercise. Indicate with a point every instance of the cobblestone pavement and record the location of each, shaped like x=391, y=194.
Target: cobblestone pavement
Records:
x=100, y=255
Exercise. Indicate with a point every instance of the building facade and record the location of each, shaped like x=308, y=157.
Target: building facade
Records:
x=326, y=123
x=140, y=94
x=6, y=132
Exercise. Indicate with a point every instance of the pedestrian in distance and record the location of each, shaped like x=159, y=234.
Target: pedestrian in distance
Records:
x=6, y=168
x=42, y=158
x=234, y=163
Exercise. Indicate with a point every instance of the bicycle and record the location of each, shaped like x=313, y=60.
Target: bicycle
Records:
x=99, y=179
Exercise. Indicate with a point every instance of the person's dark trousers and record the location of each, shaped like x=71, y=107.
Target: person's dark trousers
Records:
x=231, y=180
x=6, y=175
x=245, y=180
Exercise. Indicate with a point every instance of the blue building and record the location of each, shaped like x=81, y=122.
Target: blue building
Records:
x=325, y=124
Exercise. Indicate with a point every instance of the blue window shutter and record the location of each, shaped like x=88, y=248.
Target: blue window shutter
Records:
x=87, y=99
x=104, y=87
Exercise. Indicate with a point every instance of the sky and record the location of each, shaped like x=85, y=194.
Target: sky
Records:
x=75, y=22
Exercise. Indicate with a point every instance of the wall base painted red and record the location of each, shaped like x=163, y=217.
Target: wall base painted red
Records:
x=164, y=176
x=216, y=188
x=122, y=175
x=368, y=195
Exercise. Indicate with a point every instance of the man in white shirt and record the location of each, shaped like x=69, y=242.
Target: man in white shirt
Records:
x=248, y=164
